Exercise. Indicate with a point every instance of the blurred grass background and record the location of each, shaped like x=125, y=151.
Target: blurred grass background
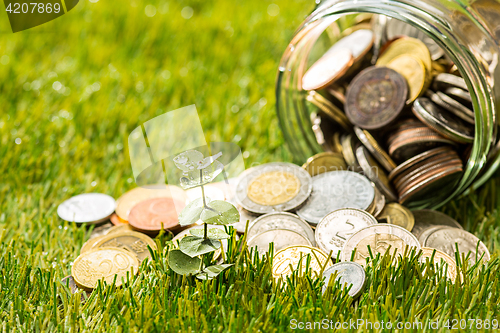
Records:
x=70, y=93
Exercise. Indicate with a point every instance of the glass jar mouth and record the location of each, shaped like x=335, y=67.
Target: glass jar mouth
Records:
x=470, y=62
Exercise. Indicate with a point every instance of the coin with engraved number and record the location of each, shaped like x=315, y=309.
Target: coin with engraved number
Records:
x=324, y=162
x=153, y=214
x=349, y=274
x=334, y=190
x=273, y=187
x=281, y=220
x=294, y=257
x=375, y=149
x=135, y=243
x=375, y=97
x=131, y=198
x=379, y=238
x=328, y=69
x=335, y=228
x=105, y=264
x=426, y=218
x=445, y=239
x=438, y=257
x=281, y=238
x=87, y=208
x=394, y=213
x=375, y=173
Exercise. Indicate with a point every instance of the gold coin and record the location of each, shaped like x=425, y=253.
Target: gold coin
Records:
x=324, y=162
x=273, y=188
x=296, y=255
x=103, y=264
x=328, y=108
x=336, y=145
x=409, y=46
x=119, y=228
x=394, y=213
x=129, y=199
x=379, y=243
x=87, y=246
x=438, y=256
x=413, y=70
x=131, y=241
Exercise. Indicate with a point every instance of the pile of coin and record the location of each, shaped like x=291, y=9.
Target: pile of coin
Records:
x=384, y=86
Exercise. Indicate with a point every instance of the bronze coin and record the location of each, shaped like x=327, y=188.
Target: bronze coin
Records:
x=149, y=215
x=416, y=159
x=116, y=220
x=375, y=97
x=437, y=181
x=411, y=147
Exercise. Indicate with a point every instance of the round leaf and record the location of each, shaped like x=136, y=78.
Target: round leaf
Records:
x=220, y=212
x=191, y=213
x=195, y=246
x=183, y=264
x=213, y=233
x=212, y=271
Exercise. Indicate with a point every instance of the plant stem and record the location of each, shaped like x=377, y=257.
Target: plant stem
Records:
x=205, y=226
x=205, y=235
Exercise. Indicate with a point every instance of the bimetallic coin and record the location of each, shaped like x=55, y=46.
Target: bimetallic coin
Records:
x=426, y=218
x=87, y=208
x=396, y=28
x=133, y=242
x=445, y=80
x=324, y=162
x=375, y=97
x=374, y=148
x=438, y=257
x=349, y=274
x=280, y=237
x=131, y=198
x=445, y=239
x=335, y=228
x=281, y=220
x=413, y=70
x=273, y=187
x=150, y=215
x=328, y=69
x=291, y=258
x=397, y=214
x=103, y=264
x=334, y=190
x=380, y=238
x=374, y=172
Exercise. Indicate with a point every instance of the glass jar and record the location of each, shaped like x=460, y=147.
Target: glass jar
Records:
x=467, y=32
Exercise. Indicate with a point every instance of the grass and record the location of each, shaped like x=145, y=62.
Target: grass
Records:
x=73, y=89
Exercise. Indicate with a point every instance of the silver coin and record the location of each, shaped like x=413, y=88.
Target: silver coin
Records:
x=87, y=208
x=379, y=23
x=451, y=128
x=280, y=237
x=303, y=177
x=374, y=172
x=244, y=217
x=451, y=105
x=396, y=28
x=445, y=80
x=101, y=230
x=427, y=218
x=379, y=237
x=334, y=190
x=427, y=232
x=349, y=274
x=379, y=202
x=445, y=239
x=359, y=43
x=383, y=158
x=281, y=220
x=460, y=95
x=335, y=228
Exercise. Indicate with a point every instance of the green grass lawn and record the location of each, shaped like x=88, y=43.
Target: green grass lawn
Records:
x=70, y=93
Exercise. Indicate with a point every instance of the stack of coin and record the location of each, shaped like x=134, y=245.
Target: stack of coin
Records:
x=389, y=91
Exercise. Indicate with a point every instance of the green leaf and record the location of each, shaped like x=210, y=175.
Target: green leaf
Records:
x=220, y=212
x=183, y=264
x=212, y=271
x=212, y=233
x=191, y=213
x=194, y=246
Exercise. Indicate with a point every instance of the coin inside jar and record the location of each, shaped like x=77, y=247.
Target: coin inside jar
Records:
x=413, y=70
x=375, y=97
x=335, y=228
x=327, y=69
x=380, y=238
x=374, y=148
